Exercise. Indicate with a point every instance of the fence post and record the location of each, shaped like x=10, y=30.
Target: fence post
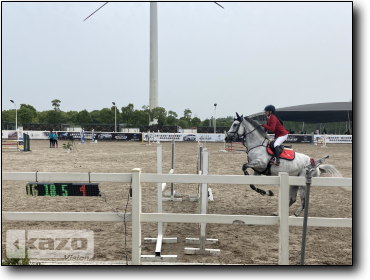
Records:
x=136, y=217
x=284, y=219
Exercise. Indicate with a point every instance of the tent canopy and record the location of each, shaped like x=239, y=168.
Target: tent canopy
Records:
x=313, y=113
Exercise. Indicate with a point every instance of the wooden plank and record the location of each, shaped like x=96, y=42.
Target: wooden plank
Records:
x=209, y=218
x=321, y=181
x=137, y=216
x=321, y=222
x=66, y=216
x=284, y=219
x=66, y=177
x=209, y=179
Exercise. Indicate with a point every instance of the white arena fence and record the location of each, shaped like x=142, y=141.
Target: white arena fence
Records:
x=283, y=220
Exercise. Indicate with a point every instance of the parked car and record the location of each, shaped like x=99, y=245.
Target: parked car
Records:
x=105, y=136
x=190, y=137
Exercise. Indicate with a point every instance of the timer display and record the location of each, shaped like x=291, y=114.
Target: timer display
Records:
x=62, y=189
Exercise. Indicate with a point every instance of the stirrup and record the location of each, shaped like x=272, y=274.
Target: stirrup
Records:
x=273, y=161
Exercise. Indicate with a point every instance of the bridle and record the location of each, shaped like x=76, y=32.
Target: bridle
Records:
x=244, y=135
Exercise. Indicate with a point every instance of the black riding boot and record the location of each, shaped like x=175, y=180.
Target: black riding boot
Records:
x=277, y=151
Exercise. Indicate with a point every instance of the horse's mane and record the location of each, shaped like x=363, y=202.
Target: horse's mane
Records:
x=258, y=127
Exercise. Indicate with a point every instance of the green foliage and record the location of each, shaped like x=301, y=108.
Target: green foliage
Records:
x=206, y=122
x=172, y=114
x=83, y=117
x=95, y=116
x=67, y=146
x=183, y=122
x=128, y=114
x=187, y=114
x=56, y=104
x=160, y=114
x=195, y=122
x=8, y=115
x=106, y=116
x=16, y=260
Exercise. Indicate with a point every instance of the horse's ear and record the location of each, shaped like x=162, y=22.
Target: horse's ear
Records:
x=237, y=115
x=241, y=117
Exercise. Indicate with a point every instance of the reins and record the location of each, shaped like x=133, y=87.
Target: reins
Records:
x=246, y=137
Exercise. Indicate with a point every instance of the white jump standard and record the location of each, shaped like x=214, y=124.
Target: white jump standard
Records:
x=204, y=197
x=160, y=239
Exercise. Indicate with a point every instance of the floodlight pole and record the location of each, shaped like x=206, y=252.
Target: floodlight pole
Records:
x=153, y=90
x=115, y=116
x=214, y=122
x=16, y=126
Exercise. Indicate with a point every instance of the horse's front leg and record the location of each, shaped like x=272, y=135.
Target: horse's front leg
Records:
x=255, y=163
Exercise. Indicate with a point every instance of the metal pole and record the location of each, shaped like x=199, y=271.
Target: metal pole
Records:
x=153, y=91
x=173, y=163
x=307, y=198
x=214, y=122
x=115, y=119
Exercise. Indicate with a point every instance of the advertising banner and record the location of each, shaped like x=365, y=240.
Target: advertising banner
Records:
x=162, y=137
x=334, y=139
x=100, y=136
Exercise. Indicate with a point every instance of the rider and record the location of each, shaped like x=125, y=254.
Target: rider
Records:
x=275, y=125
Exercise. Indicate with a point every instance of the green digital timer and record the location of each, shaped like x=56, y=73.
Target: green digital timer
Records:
x=62, y=189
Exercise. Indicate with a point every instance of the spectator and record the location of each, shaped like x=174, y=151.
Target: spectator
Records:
x=55, y=137
x=51, y=139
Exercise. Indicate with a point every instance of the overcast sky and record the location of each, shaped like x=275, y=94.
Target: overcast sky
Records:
x=242, y=57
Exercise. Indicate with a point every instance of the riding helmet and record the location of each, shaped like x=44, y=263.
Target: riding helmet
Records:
x=270, y=108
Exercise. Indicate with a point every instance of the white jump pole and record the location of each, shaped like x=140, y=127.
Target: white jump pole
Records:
x=172, y=196
x=202, y=240
x=158, y=257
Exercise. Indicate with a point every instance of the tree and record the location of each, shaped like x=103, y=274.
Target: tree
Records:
x=83, y=117
x=187, y=114
x=160, y=114
x=106, y=116
x=172, y=114
x=71, y=117
x=25, y=115
x=56, y=104
x=183, y=123
x=8, y=115
x=127, y=114
x=195, y=122
x=206, y=122
x=95, y=116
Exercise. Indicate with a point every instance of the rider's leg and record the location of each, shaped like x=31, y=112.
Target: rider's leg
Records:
x=280, y=140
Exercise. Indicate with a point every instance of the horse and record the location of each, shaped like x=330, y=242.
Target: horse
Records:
x=256, y=141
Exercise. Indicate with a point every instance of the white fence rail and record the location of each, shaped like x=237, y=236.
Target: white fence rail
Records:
x=137, y=217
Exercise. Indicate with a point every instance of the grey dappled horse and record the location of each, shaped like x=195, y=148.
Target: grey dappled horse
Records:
x=256, y=140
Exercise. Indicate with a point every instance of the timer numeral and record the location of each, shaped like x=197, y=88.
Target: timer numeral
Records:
x=65, y=192
x=46, y=190
x=52, y=190
x=82, y=189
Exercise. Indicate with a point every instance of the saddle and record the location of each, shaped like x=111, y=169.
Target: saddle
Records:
x=286, y=151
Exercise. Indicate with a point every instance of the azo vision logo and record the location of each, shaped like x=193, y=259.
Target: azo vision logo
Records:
x=50, y=244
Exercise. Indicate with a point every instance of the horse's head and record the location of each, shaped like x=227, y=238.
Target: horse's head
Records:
x=236, y=130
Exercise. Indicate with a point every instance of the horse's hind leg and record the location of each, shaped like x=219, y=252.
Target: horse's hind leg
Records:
x=302, y=192
x=292, y=197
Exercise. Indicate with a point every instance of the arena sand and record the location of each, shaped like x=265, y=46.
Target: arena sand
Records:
x=239, y=244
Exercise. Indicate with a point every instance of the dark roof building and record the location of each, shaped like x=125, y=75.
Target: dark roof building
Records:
x=313, y=113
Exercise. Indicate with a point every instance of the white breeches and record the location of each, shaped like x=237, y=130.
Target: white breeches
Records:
x=280, y=140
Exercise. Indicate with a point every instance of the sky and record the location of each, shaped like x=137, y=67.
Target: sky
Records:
x=243, y=57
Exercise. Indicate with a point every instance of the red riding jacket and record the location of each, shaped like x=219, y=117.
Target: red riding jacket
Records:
x=274, y=125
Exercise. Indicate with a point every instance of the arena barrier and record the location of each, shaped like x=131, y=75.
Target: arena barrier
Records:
x=282, y=221
x=235, y=147
x=173, y=196
x=203, y=195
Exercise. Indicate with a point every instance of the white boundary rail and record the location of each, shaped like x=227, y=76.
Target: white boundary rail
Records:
x=137, y=217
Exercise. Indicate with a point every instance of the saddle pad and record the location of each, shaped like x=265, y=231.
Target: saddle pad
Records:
x=286, y=154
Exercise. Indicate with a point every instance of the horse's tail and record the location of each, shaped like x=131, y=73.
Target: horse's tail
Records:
x=330, y=170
